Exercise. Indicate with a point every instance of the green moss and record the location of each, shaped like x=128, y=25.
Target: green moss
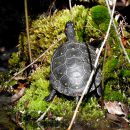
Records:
x=91, y=110
x=97, y=22
x=61, y=106
x=35, y=94
x=125, y=73
x=109, y=68
x=116, y=74
x=3, y=76
x=46, y=31
x=100, y=16
x=14, y=59
x=43, y=33
x=129, y=102
x=113, y=95
x=91, y=30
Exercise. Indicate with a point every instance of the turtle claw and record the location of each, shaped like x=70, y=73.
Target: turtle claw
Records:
x=51, y=96
x=47, y=98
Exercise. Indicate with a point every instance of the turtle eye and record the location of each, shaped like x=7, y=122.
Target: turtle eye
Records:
x=72, y=24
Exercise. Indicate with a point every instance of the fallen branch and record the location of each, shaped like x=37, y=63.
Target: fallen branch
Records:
x=4, y=100
x=17, y=96
x=93, y=71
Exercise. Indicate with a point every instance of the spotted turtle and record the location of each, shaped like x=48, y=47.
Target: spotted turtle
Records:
x=71, y=67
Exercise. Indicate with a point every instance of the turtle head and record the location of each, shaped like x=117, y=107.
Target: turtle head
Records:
x=69, y=31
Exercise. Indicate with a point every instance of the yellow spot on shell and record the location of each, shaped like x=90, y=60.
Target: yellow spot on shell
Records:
x=65, y=84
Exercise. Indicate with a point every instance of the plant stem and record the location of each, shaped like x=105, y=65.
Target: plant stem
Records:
x=27, y=31
x=93, y=71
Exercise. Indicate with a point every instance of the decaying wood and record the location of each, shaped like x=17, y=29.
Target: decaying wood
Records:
x=17, y=96
x=4, y=100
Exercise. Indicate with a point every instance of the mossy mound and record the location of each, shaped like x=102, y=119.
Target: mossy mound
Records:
x=100, y=17
x=33, y=103
x=43, y=33
x=46, y=31
x=97, y=22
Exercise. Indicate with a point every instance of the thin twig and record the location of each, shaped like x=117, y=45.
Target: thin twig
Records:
x=71, y=13
x=122, y=46
x=41, y=126
x=104, y=59
x=43, y=115
x=16, y=74
x=102, y=82
x=27, y=31
x=70, y=5
x=10, y=100
x=49, y=11
x=93, y=71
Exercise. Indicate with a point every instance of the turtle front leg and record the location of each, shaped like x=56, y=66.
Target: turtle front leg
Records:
x=99, y=91
x=100, y=96
x=51, y=96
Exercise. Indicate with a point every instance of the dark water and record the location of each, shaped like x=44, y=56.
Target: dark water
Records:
x=75, y=127
x=8, y=121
